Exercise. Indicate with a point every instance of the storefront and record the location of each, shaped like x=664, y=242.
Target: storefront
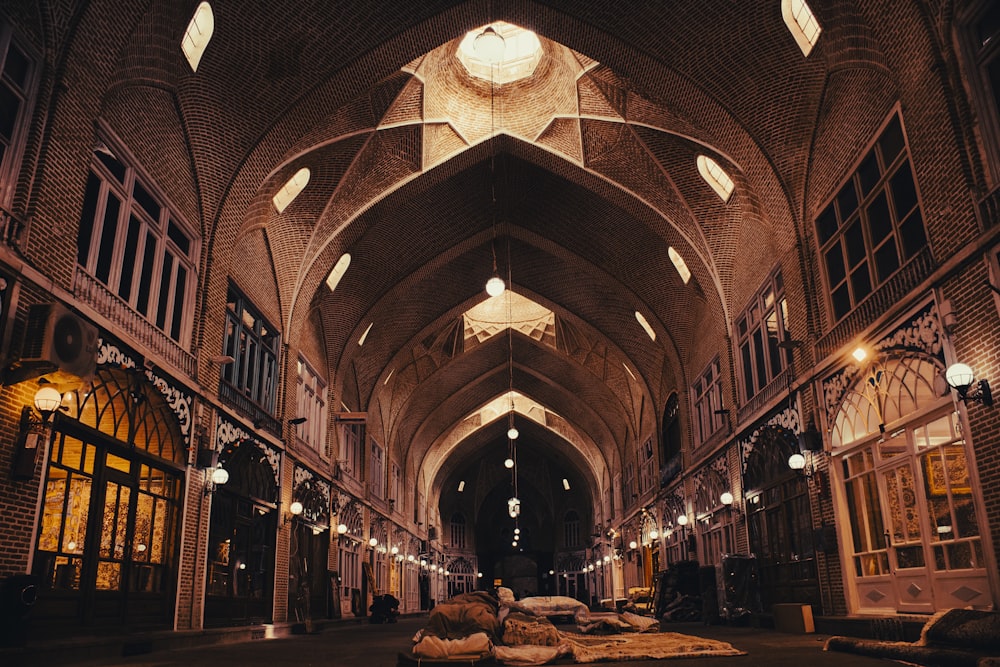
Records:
x=309, y=547
x=108, y=539
x=242, y=531
x=779, y=512
x=909, y=521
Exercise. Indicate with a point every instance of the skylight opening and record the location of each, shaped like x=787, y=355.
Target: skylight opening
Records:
x=364, y=336
x=198, y=34
x=493, y=315
x=521, y=53
x=679, y=264
x=645, y=325
x=291, y=190
x=801, y=23
x=716, y=177
x=338, y=271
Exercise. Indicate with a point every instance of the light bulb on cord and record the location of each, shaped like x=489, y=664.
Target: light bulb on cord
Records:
x=512, y=433
x=495, y=286
x=508, y=462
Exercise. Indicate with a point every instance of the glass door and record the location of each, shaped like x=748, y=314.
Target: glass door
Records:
x=905, y=538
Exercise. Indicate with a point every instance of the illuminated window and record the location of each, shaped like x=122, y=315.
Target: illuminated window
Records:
x=198, y=34
x=521, y=53
x=364, y=336
x=291, y=190
x=645, y=325
x=716, y=177
x=679, y=264
x=801, y=23
x=338, y=271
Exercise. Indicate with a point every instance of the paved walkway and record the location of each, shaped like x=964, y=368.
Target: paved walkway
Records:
x=360, y=644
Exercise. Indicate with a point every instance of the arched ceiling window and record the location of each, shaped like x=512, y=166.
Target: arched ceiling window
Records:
x=198, y=34
x=801, y=23
x=679, y=264
x=291, y=190
x=716, y=177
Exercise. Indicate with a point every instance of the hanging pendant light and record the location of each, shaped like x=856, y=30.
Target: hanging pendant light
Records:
x=495, y=286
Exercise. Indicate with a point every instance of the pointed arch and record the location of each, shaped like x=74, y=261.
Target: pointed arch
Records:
x=888, y=390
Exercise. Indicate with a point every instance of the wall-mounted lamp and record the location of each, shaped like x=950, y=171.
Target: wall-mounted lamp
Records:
x=216, y=478
x=797, y=462
x=31, y=430
x=373, y=542
x=961, y=378
x=341, y=528
x=728, y=501
x=565, y=484
x=47, y=401
x=294, y=511
x=633, y=544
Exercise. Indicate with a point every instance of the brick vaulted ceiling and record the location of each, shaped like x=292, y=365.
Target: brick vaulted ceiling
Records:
x=578, y=177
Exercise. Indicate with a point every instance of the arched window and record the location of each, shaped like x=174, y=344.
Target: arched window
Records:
x=291, y=190
x=716, y=177
x=801, y=23
x=198, y=34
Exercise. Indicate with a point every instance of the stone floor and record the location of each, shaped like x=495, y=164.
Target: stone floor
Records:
x=360, y=644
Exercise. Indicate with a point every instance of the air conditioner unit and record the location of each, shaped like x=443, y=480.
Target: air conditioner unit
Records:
x=55, y=335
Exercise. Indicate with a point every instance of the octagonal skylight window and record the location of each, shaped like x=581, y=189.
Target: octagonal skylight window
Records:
x=520, y=54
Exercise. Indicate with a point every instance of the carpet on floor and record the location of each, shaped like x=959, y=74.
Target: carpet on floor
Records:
x=644, y=646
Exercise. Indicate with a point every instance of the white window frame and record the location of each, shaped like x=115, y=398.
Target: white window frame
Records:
x=629, y=491
x=352, y=438
x=396, y=486
x=376, y=472
x=647, y=466
x=759, y=330
x=350, y=565
x=310, y=402
x=706, y=396
x=134, y=229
